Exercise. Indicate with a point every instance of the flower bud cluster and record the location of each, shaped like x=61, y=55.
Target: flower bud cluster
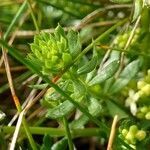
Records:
x=54, y=51
x=132, y=135
x=121, y=39
x=143, y=87
x=143, y=112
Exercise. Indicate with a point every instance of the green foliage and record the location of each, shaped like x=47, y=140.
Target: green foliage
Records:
x=125, y=77
x=121, y=1
x=137, y=9
x=89, y=75
x=107, y=71
x=47, y=143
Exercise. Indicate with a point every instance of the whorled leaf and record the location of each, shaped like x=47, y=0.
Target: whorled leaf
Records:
x=39, y=86
x=47, y=143
x=60, y=145
x=121, y=1
x=137, y=9
x=126, y=75
x=74, y=43
x=106, y=72
x=61, y=110
x=88, y=67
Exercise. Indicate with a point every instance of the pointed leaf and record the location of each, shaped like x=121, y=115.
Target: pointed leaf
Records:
x=79, y=89
x=108, y=71
x=126, y=75
x=90, y=75
x=59, y=31
x=39, y=86
x=61, y=110
x=114, y=109
x=60, y=145
x=121, y=1
x=47, y=143
x=94, y=107
x=88, y=67
x=137, y=9
x=74, y=43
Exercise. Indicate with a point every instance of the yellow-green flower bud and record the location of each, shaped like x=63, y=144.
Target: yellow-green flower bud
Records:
x=141, y=135
x=141, y=84
x=133, y=129
x=130, y=138
x=147, y=116
x=124, y=132
x=141, y=93
x=146, y=89
x=144, y=109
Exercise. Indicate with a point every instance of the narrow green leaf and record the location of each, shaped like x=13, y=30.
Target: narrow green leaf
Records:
x=59, y=31
x=126, y=75
x=39, y=86
x=90, y=75
x=74, y=43
x=94, y=107
x=80, y=122
x=88, y=67
x=79, y=89
x=61, y=110
x=107, y=71
x=60, y=145
x=18, y=14
x=137, y=9
x=114, y=109
x=47, y=143
x=121, y=1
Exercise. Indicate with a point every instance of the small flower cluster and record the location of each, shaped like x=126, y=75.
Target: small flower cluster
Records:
x=121, y=39
x=132, y=135
x=143, y=87
x=143, y=113
x=55, y=52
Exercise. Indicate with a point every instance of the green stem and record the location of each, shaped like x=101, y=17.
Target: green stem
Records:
x=68, y=134
x=28, y=133
x=33, y=17
x=98, y=39
x=54, y=132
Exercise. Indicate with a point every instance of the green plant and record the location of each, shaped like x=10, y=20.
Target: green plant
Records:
x=85, y=74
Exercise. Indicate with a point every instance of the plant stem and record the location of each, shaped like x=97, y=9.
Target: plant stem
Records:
x=68, y=134
x=55, y=132
x=29, y=135
x=33, y=17
x=102, y=36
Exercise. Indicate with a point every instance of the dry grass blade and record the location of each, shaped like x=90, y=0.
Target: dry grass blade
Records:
x=112, y=133
x=14, y=139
